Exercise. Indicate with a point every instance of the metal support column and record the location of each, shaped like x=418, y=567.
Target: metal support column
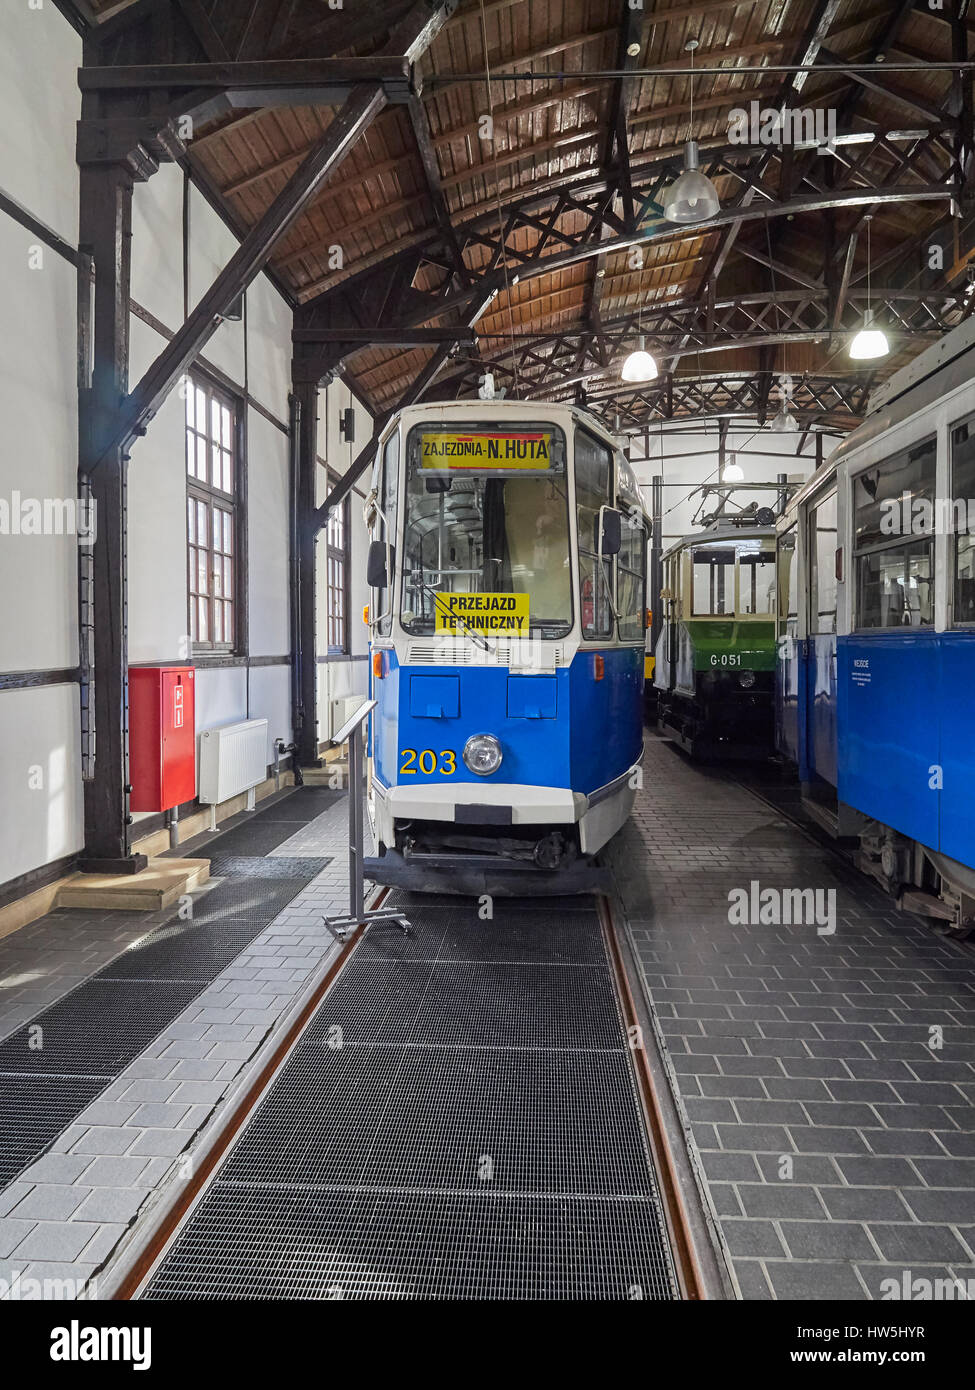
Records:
x=106, y=229
x=305, y=590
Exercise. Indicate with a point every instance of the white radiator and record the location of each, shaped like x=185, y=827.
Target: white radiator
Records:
x=342, y=710
x=232, y=760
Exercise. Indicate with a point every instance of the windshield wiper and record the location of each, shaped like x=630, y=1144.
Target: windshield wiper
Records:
x=438, y=602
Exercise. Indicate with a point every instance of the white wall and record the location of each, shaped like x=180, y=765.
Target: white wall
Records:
x=211, y=246
x=157, y=522
x=40, y=783
x=40, y=754
x=268, y=486
x=40, y=787
x=685, y=458
x=256, y=360
x=40, y=101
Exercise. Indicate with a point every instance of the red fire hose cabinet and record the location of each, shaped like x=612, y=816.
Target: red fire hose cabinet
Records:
x=162, y=737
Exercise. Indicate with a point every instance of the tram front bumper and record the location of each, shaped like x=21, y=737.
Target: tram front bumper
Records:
x=466, y=803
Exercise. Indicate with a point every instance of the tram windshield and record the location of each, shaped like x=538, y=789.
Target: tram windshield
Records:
x=735, y=578
x=486, y=530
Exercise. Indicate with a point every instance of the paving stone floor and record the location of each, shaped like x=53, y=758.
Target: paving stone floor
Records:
x=63, y=1217
x=837, y=1138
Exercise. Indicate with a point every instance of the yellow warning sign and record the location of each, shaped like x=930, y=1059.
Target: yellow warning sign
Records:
x=486, y=450
x=488, y=613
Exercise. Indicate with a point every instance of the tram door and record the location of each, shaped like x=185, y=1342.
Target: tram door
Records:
x=818, y=679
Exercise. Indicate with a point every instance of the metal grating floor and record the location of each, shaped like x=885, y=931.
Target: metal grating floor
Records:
x=51, y=1070
x=318, y=1245
x=459, y=1121
x=183, y=952
x=456, y=933
x=33, y=1112
x=546, y=1121
x=97, y=1029
x=303, y=804
x=255, y=900
x=265, y=866
x=254, y=837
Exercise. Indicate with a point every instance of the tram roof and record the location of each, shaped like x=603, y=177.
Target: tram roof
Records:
x=721, y=536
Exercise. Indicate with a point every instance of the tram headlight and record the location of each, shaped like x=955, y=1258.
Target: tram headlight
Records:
x=746, y=679
x=482, y=754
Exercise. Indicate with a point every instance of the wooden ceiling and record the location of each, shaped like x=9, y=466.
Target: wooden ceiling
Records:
x=431, y=204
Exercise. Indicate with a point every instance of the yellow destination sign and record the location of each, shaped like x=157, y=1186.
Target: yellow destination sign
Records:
x=494, y=449
x=490, y=613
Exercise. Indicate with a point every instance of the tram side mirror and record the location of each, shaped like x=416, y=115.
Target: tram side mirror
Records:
x=609, y=532
x=376, y=576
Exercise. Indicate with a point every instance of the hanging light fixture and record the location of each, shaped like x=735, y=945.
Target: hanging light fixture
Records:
x=784, y=422
x=692, y=197
x=871, y=341
x=733, y=471
x=640, y=365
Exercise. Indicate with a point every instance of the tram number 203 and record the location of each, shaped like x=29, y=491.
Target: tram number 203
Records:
x=726, y=659
x=428, y=762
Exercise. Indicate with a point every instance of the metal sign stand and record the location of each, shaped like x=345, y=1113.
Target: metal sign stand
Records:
x=357, y=915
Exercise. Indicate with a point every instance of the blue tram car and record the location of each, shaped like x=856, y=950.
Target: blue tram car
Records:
x=875, y=680
x=507, y=572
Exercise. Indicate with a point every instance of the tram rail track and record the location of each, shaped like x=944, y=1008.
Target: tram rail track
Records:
x=671, y=1192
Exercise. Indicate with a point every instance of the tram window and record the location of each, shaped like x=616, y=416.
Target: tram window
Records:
x=594, y=483
x=892, y=539
x=387, y=500
x=756, y=580
x=822, y=566
x=895, y=588
x=632, y=579
x=486, y=529
x=963, y=501
x=788, y=564
x=713, y=590
x=879, y=496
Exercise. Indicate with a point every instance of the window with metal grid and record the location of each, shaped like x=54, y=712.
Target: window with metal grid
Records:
x=211, y=514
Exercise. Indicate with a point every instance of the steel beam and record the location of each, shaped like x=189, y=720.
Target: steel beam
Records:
x=288, y=75
x=382, y=337
x=366, y=454
x=141, y=404
x=431, y=170
x=419, y=308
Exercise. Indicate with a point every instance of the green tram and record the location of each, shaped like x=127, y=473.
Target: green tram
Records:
x=714, y=672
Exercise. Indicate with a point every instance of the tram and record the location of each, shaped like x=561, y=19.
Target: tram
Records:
x=714, y=672
x=876, y=643
x=507, y=570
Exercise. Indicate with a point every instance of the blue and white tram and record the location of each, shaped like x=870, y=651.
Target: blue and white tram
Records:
x=875, y=688
x=508, y=614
